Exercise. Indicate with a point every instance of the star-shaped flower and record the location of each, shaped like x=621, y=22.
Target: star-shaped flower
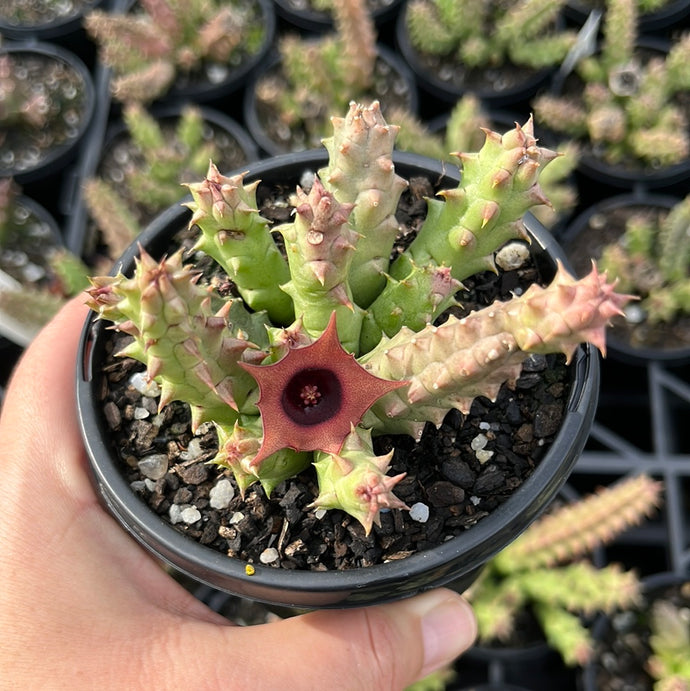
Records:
x=310, y=399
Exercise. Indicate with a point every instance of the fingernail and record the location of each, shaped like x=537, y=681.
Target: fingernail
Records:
x=448, y=628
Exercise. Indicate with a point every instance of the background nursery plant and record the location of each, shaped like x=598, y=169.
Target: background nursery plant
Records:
x=316, y=77
x=163, y=41
x=331, y=343
x=628, y=111
x=546, y=570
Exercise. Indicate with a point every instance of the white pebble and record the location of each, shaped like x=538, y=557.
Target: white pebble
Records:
x=268, y=556
x=154, y=466
x=319, y=513
x=236, y=518
x=141, y=413
x=221, y=494
x=512, y=256
x=139, y=381
x=484, y=455
x=192, y=451
x=190, y=514
x=475, y=500
x=479, y=442
x=419, y=512
x=484, y=426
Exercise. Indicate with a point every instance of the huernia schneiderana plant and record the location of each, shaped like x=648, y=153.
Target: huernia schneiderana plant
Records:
x=652, y=259
x=490, y=34
x=149, y=48
x=331, y=342
x=628, y=107
x=548, y=571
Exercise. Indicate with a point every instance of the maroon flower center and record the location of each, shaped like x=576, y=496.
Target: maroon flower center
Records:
x=312, y=396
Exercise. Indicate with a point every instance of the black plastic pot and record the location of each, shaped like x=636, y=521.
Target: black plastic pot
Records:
x=589, y=230
x=253, y=119
x=39, y=231
x=313, y=20
x=444, y=90
x=456, y=561
x=56, y=158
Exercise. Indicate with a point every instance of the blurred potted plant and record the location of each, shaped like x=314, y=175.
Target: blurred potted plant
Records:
x=624, y=105
x=317, y=15
x=46, y=105
x=654, y=15
x=642, y=239
x=547, y=573
x=194, y=50
x=502, y=52
x=146, y=158
x=646, y=646
x=338, y=343
x=288, y=104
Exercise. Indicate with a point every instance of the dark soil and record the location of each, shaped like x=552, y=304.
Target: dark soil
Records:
x=307, y=7
x=443, y=469
x=624, y=648
x=607, y=228
x=24, y=147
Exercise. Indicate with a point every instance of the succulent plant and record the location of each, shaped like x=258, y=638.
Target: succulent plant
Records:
x=652, y=259
x=154, y=160
x=20, y=104
x=628, y=110
x=150, y=47
x=480, y=34
x=320, y=76
x=547, y=570
x=330, y=342
x=463, y=131
x=669, y=663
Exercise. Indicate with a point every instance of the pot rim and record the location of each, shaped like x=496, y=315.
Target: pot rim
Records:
x=418, y=572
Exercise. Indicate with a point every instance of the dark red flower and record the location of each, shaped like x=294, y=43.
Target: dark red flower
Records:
x=311, y=398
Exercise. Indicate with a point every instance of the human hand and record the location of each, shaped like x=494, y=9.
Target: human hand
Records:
x=82, y=605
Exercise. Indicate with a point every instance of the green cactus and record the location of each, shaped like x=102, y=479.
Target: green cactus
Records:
x=546, y=569
x=652, y=259
x=148, y=49
x=489, y=34
x=628, y=110
x=303, y=386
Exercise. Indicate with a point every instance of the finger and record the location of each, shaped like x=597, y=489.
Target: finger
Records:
x=384, y=647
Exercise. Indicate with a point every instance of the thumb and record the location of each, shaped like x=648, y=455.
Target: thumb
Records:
x=382, y=647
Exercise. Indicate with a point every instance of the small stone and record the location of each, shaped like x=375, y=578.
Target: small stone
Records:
x=484, y=455
x=193, y=474
x=479, y=442
x=112, y=415
x=192, y=451
x=445, y=494
x=140, y=382
x=154, y=466
x=236, y=518
x=141, y=413
x=221, y=494
x=458, y=472
x=512, y=256
x=269, y=556
x=319, y=513
x=419, y=512
x=190, y=514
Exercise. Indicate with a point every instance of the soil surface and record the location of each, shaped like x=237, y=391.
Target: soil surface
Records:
x=26, y=13
x=460, y=472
